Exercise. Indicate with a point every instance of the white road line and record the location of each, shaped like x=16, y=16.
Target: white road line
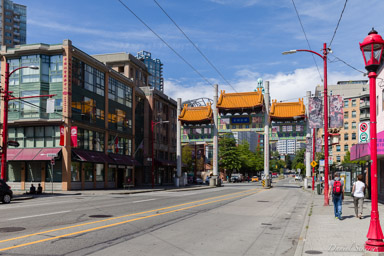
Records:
x=32, y=216
x=146, y=200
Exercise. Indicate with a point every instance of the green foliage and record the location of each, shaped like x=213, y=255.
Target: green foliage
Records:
x=229, y=155
x=298, y=161
x=186, y=157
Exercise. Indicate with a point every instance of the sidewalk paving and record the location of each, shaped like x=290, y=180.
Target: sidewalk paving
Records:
x=322, y=234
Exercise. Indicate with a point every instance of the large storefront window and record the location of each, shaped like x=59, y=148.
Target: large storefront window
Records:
x=14, y=171
x=76, y=171
x=56, y=69
x=33, y=172
x=111, y=174
x=90, y=140
x=99, y=172
x=88, y=172
x=119, y=145
x=57, y=174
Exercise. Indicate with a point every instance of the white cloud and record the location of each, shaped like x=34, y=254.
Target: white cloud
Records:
x=283, y=86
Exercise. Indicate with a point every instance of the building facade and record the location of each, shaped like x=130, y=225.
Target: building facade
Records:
x=356, y=110
x=91, y=99
x=155, y=68
x=13, y=23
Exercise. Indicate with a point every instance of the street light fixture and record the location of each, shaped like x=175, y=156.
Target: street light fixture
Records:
x=6, y=98
x=153, y=124
x=326, y=153
x=372, y=49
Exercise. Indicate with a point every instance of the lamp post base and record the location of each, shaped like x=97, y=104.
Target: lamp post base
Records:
x=374, y=247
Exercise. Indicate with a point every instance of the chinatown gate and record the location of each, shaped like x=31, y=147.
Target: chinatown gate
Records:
x=238, y=112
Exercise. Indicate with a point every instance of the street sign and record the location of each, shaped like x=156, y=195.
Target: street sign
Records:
x=51, y=155
x=52, y=161
x=13, y=143
x=313, y=164
x=364, y=132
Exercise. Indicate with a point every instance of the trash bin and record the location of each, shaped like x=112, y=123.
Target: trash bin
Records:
x=319, y=189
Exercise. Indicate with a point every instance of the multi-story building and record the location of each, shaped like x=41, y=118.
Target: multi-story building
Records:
x=356, y=109
x=288, y=147
x=155, y=106
x=155, y=68
x=90, y=98
x=13, y=23
x=254, y=139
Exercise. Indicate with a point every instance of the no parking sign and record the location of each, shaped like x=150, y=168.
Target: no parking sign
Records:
x=364, y=132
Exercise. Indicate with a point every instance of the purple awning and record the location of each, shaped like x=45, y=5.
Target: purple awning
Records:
x=92, y=156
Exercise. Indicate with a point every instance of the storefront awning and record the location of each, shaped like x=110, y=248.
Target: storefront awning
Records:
x=42, y=155
x=92, y=156
x=165, y=162
x=12, y=153
x=27, y=154
x=121, y=159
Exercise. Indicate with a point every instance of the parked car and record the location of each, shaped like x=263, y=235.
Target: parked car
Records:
x=199, y=181
x=255, y=179
x=236, y=177
x=6, y=193
x=297, y=177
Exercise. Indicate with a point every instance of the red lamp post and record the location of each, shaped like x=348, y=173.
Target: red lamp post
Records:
x=153, y=124
x=326, y=135
x=313, y=157
x=7, y=98
x=372, y=49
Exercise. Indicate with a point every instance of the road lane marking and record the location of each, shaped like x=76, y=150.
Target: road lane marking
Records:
x=128, y=215
x=39, y=215
x=123, y=222
x=145, y=200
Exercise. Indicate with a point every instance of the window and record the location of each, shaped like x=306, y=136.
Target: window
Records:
x=353, y=114
x=111, y=174
x=353, y=136
x=56, y=69
x=14, y=79
x=338, y=148
x=99, y=172
x=75, y=171
x=353, y=125
x=30, y=107
x=29, y=75
x=88, y=172
x=338, y=158
x=346, y=136
x=346, y=126
x=354, y=103
x=346, y=147
x=346, y=103
x=346, y=114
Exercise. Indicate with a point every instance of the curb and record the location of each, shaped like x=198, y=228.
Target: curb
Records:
x=304, y=230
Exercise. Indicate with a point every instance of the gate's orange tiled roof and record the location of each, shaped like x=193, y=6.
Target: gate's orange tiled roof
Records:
x=287, y=110
x=196, y=114
x=240, y=100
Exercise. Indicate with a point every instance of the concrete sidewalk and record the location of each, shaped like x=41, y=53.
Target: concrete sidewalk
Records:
x=21, y=195
x=322, y=234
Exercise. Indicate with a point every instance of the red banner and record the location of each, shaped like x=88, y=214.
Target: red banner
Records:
x=62, y=135
x=74, y=136
x=116, y=144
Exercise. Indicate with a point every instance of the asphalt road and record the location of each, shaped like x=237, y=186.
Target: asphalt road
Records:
x=237, y=219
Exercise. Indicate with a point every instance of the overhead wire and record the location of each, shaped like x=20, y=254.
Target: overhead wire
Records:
x=347, y=64
x=305, y=35
x=169, y=46
x=338, y=23
x=194, y=45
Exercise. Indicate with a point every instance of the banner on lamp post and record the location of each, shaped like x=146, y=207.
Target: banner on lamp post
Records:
x=336, y=112
x=315, y=112
x=62, y=135
x=50, y=106
x=74, y=136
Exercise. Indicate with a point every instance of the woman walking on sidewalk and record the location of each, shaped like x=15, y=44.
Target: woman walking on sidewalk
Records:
x=358, y=196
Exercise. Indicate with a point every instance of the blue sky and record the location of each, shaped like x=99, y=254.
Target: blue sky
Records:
x=244, y=39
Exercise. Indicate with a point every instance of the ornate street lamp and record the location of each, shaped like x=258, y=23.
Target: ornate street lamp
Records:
x=326, y=134
x=372, y=49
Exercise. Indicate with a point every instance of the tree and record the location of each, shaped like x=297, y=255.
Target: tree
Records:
x=298, y=161
x=229, y=157
x=347, y=159
x=246, y=157
x=186, y=156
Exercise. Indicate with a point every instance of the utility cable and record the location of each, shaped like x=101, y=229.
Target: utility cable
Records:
x=338, y=23
x=348, y=64
x=170, y=47
x=194, y=45
x=302, y=27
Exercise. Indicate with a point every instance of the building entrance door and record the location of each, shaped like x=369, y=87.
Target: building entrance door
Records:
x=120, y=177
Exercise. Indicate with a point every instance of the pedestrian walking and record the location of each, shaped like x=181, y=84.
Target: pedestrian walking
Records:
x=358, y=196
x=336, y=187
